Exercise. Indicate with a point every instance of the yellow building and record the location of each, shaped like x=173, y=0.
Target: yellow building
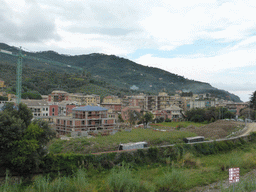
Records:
x=85, y=99
x=163, y=100
x=111, y=100
x=2, y=84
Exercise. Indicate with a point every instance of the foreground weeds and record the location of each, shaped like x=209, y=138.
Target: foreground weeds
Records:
x=169, y=169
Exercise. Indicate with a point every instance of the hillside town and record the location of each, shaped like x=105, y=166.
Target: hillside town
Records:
x=79, y=114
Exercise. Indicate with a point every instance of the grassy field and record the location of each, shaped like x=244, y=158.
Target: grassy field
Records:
x=86, y=145
x=176, y=124
x=183, y=174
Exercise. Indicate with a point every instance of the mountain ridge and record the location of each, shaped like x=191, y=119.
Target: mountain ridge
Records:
x=116, y=72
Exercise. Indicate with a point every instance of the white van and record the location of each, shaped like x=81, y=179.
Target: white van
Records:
x=138, y=145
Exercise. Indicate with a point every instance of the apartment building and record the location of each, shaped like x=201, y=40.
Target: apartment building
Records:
x=174, y=112
x=58, y=96
x=201, y=103
x=125, y=111
x=112, y=102
x=236, y=107
x=138, y=100
x=83, y=99
x=39, y=108
x=2, y=84
x=157, y=102
x=163, y=100
x=85, y=119
x=61, y=109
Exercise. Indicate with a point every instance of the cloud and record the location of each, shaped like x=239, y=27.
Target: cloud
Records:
x=102, y=31
x=31, y=25
x=204, y=68
x=163, y=25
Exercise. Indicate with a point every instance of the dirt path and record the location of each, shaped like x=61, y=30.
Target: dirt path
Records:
x=251, y=127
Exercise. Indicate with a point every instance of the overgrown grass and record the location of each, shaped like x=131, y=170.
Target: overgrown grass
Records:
x=185, y=172
x=248, y=184
x=110, y=143
x=177, y=124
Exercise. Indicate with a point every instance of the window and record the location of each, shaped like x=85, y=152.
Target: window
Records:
x=70, y=122
x=58, y=121
x=43, y=109
x=82, y=122
x=46, y=109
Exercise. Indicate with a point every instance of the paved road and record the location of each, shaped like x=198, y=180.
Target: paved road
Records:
x=251, y=127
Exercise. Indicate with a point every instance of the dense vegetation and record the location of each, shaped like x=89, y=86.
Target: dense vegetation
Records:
x=209, y=114
x=156, y=169
x=22, y=141
x=100, y=74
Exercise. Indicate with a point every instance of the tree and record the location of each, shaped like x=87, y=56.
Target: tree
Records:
x=229, y=115
x=253, y=101
x=22, y=142
x=120, y=119
x=246, y=113
x=133, y=116
x=147, y=118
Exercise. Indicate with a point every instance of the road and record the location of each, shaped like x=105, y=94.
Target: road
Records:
x=251, y=127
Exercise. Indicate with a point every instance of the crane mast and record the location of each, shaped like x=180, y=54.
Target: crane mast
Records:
x=19, y=78
x=19, y=69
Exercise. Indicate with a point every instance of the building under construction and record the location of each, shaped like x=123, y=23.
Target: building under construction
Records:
x=85, y=120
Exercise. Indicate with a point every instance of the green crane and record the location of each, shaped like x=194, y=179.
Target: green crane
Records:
x=19, y=69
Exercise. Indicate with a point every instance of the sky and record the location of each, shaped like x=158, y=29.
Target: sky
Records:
x=212, y=41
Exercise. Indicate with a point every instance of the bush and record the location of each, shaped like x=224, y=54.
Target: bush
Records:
x=78, y=182
x=121, y=179
x=171, y=181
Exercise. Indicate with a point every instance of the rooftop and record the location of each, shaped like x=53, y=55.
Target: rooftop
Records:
x=90, y=108
x=35, y=102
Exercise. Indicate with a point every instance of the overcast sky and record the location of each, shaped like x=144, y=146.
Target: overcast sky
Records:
x=206, y=40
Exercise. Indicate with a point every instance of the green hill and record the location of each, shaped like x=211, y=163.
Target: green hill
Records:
x=101, y=74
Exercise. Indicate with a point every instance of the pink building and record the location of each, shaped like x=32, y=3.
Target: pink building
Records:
x=53, y=110
x=236, y=107
x=125, y=111
x=114, y=106
x=58, y=96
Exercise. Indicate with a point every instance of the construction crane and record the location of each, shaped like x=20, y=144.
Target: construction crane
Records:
x=19, y=69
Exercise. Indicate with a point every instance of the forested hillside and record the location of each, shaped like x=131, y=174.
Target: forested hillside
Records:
x=101, y=74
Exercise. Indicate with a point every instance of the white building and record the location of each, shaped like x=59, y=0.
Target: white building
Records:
x=38, y=107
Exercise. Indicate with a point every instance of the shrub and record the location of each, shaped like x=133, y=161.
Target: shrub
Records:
x=171, y=181
x=190, y=161
x=168, y=120
x=179, y=126
x=120, y=179
x=153, y=154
